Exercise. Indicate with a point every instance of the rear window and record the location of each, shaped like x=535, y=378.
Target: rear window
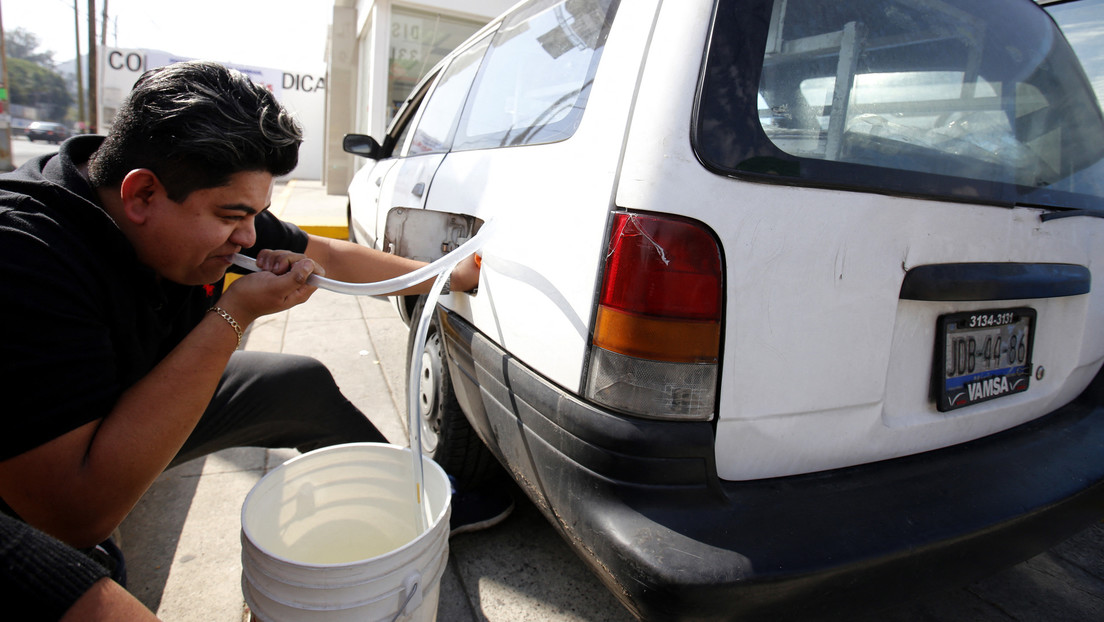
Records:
x=980, y=100
x=1081, y=21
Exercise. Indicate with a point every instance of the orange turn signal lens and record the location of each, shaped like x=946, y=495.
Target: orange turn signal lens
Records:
x=659, y=339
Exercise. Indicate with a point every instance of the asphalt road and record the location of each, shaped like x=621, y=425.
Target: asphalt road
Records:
x=23, y=149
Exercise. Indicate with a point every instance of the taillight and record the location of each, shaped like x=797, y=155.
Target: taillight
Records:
x=657, y=334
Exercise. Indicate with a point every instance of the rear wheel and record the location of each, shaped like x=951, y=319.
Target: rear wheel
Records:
x=447, y=436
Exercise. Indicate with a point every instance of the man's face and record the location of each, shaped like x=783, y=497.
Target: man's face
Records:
x=192, y=242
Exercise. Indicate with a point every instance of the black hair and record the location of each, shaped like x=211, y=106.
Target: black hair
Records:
x=194, y=124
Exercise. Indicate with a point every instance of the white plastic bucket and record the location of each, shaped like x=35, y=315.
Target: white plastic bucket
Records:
x=331, y=535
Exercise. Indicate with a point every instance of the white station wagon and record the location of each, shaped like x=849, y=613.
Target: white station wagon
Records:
x=789, y=305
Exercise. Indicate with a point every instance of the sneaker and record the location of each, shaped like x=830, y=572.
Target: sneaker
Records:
x=479, y=509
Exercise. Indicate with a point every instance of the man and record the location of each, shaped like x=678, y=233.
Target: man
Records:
x=118, y=347
x=45, y=579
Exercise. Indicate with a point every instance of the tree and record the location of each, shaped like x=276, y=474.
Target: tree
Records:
x=22, y=43
x=36, y=86
x=32, y=80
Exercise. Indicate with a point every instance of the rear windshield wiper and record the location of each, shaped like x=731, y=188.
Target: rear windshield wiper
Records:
x=1089, y=213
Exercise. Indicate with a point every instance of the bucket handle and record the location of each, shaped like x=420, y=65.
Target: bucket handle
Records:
x=410, y=586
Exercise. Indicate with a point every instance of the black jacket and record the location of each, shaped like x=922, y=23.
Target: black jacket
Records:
x=81, y=320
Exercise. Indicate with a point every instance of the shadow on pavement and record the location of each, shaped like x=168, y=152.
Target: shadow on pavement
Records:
x=151, y=533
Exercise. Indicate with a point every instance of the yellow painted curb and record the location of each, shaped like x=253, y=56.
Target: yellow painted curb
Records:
x=340, y=232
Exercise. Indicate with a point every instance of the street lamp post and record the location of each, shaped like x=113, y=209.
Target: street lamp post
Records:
x=92, y=122
x=5, y=104
x=80, y=73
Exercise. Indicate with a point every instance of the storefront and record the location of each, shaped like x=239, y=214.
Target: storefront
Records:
x=301, y=89
x=379, y=49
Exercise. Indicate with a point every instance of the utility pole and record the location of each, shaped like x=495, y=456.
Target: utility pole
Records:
x=5, y=105
x=80, y=74
x=92, y=99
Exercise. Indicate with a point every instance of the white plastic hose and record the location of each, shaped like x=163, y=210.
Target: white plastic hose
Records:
x=441, y=269
x=380, y=288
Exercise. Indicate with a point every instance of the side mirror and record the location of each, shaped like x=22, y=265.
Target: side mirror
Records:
x=361, y=145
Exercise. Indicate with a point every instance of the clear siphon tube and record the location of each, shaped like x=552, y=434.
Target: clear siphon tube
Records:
x=439, y=268
x=389, y=286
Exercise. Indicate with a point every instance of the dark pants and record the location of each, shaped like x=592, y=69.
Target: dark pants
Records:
x=277, y=400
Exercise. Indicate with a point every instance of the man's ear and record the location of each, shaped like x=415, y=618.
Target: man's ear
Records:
x=139, y=191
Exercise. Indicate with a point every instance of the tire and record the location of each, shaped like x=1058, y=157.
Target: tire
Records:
x=447, y=436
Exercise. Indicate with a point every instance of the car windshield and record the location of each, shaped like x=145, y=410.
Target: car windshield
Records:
x=980, y=99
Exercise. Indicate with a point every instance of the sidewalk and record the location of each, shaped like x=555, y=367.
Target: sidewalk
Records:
x=182, y=541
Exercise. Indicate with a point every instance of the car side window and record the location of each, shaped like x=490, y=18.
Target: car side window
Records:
x=533, y=86
x=401, y=139
x=398, y=134
x=438, y=121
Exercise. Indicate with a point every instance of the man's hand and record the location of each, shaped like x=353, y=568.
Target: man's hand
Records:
x=80, y=486
x=465, y=276
x=280, y=262
x=280, y=284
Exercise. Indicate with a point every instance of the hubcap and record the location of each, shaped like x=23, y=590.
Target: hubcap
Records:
x=427, y=400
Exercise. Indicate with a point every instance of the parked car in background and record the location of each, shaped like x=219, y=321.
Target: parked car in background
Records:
x=789, y=308
x=46, y=131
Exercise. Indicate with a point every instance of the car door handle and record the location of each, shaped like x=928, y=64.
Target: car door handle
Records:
x=419, y=189
x=995, y=281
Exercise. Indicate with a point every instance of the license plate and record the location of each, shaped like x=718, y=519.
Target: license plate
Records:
x=982, y=355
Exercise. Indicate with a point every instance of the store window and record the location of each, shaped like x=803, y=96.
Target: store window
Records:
x=419, y=40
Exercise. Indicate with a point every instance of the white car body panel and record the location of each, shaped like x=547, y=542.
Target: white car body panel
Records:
x=840, y=234
x=809, y=284
x=548, y=278
x=406, y=185
x=545, y=276
x=806, y=282
x=364, y=199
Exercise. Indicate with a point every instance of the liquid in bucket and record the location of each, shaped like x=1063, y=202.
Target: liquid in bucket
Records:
x=332, y=535
x=347, y=540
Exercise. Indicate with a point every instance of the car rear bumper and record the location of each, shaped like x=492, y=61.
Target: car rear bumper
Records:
x=641, y=503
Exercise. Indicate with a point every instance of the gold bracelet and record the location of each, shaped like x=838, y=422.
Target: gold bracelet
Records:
x=229, y=320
